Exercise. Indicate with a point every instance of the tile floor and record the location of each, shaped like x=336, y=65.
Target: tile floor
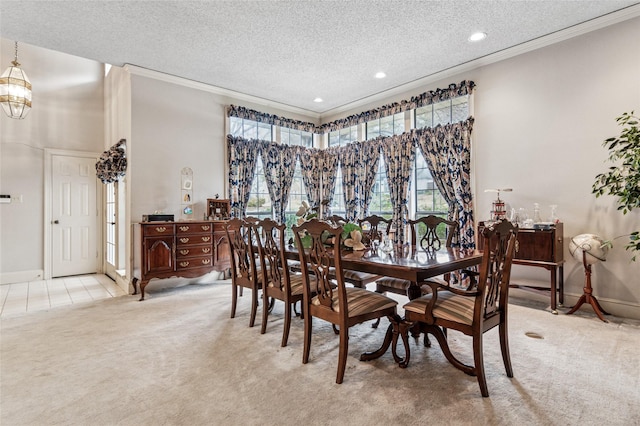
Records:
x=21, y=298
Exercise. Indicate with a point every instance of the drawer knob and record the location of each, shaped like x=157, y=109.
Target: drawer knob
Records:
x=184, y=228
x=161, y=228
x=184, y=264
x=206, y=239
x=205, y=227
x=184, y=252
x=184, y=240
x=206, y=250
x=206, y=261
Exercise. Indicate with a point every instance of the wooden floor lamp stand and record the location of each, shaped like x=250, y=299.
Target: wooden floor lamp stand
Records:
x=587, y=296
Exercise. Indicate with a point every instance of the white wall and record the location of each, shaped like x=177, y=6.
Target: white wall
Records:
x=67, y=114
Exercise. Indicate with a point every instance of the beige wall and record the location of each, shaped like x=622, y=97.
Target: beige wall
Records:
x=67, y=114
x=540, y=120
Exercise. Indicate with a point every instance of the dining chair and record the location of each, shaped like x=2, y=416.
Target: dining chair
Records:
x=280, y=283
x=245, y=272
x=376, y=229
x=338, y=304
x=472, y=312
x=430, y=234
x=337, y=220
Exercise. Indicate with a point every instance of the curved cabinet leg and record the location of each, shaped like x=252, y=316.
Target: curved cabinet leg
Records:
x=143, y=284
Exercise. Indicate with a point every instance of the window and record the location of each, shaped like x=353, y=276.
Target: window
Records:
x=340, y=138
x=428, y=197
x=449, y=111
x=386, y=126
x=381, y=200
x=259, y=204
x=297, y=193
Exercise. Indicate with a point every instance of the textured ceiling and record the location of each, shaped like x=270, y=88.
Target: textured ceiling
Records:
x=291, y=52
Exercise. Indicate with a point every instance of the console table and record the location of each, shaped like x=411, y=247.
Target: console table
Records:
x=543, y=248
x=178, y=249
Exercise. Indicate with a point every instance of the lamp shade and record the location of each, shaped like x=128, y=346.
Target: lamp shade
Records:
x=15, y=91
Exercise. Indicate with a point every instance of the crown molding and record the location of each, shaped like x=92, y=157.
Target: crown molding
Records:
x=529, y=46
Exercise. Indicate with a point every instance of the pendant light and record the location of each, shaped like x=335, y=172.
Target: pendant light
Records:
x=15, y=90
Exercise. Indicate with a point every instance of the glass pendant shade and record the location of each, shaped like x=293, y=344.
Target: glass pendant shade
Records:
x=15, y=90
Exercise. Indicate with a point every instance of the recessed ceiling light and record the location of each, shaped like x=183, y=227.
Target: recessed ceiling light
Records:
x=477, y=36
x=380, y=75
x=317, y=100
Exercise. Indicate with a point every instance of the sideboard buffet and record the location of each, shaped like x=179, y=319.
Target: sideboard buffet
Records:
x=178, y=249
x=542, y=248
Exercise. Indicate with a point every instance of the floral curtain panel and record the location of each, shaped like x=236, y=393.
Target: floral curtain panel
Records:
x=112, y=164
x=330, y=164
x=370, y=159
x=311, y=163
x=399, y=153
x=279, y=162
x=351, y=166
x=447, y=151
x=242, y=157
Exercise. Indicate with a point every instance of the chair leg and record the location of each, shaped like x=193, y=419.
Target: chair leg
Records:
x=439, y=334
x=343, y=351
x=478, y=361
x=504, y=347
x=254, y=307
x=427, y=342
x=287, y=324
x=307, y=337
x=265, y=314
x=234, y=300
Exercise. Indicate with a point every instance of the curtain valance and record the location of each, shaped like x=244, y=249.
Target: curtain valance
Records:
x=427, y=98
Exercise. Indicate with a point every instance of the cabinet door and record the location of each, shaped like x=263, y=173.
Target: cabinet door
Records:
x=159, y=255
x=222, y=251
x=535, y=245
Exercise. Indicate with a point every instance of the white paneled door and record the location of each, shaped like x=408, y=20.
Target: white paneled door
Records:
x=73, y=216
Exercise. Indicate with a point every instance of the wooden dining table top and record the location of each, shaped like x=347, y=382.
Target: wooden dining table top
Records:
x=405, y=262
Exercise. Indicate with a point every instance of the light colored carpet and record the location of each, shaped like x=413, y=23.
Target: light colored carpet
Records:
x=178, y=359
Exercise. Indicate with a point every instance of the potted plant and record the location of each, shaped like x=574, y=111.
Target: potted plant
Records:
x=623, y=178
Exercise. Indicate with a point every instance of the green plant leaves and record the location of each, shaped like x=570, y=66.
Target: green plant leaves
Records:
x=623, y=179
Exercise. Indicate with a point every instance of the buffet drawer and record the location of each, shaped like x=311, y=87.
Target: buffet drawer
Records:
x=189, y=251
x=158, y=229
x=194, y=262
x=193, y=228
x=191, y=239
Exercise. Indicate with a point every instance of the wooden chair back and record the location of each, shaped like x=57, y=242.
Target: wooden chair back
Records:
x=336, y=220
x=243, y=255
x=377, y=228
x=322, y=264
x=437, y=231
x=495, y=270
x=271, y=242
x=244, y=271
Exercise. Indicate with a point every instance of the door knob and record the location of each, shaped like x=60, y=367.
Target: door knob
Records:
x=55, y=222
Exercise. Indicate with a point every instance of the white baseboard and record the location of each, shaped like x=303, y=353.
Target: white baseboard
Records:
x=21, y=276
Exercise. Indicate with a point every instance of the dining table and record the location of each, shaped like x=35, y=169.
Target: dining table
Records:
x=405, y=262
